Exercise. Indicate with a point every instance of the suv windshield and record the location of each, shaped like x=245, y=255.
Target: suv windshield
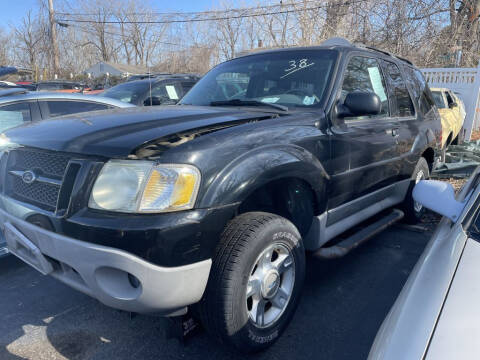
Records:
x=291, y=78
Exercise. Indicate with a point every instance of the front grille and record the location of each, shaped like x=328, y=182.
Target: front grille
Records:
x=49, y=167
x=47, y=163
x=44, y=194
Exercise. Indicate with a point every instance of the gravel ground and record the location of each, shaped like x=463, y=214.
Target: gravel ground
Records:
x=343, y=304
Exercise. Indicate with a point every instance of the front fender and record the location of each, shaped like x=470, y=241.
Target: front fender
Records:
x=260, y=166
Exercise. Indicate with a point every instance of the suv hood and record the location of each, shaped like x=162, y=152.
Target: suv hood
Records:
x=115, y=134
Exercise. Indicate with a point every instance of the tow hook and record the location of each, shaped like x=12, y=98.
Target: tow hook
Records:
x=182, y=327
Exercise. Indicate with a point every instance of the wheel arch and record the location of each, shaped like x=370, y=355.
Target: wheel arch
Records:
x=259, y=168
x=429, y=155
x=290, y=197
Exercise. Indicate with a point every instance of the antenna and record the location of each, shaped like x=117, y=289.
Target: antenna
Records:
x=150, y=85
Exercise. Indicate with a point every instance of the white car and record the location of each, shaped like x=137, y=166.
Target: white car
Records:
x=436, y=316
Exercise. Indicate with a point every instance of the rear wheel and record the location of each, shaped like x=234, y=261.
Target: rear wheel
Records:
x=255, y=282
x=412, y=209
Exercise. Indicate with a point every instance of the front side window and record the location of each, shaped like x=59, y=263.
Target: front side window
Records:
x=14, y=115
x=59, y=108
x=363, y=74
x=438, y=98
x=294, y=79
x=400, y=95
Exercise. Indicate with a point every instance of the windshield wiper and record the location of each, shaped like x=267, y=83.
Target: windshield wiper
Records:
x=238, y=102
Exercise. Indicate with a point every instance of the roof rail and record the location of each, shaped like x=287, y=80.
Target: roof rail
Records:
x=383, y=52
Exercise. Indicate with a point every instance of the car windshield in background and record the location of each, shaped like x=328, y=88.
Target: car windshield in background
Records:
x=289, y=78
x=129, y=92
x=438, y=98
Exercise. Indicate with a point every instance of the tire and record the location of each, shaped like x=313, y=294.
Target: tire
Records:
x=455, y=141
x=226, y=311
x=413, y=212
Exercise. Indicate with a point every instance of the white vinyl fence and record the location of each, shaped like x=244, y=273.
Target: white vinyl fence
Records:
x=466, y=83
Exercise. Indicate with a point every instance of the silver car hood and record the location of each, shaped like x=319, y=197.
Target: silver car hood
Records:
x=410, y=329
x=458, y=328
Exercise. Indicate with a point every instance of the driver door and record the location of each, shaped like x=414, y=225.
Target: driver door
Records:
x=363, y=148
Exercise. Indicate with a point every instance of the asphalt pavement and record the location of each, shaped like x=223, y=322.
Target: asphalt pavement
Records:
x=343, y=304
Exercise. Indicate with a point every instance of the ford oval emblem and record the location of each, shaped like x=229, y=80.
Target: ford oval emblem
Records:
x=29, y=177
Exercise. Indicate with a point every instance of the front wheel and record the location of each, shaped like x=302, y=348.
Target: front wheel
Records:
x=255, y=283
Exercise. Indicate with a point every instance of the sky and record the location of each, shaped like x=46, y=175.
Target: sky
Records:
x=12, y=11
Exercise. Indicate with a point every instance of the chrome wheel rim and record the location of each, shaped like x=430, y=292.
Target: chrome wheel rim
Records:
x=417, y=206
x=270, y=285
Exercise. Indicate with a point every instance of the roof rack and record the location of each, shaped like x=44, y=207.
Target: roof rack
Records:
x=339, y=41
x=384, y=52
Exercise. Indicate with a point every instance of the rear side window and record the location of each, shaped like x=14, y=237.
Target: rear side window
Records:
x=14, y=115
x=59, y=108
x=420, y=89
x=400, y=97
x=364, y=74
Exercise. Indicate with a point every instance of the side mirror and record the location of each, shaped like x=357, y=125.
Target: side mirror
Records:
x=438, y=196
x=452, y=105
x=361, y=103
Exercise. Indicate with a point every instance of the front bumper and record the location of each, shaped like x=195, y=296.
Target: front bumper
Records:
x=114, y=277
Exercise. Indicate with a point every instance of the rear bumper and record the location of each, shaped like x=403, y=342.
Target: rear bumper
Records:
x=115, y=277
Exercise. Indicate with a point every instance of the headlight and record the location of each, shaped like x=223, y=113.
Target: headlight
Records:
x=141, y=186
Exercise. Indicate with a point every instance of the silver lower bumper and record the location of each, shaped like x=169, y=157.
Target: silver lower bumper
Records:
x=116, y=278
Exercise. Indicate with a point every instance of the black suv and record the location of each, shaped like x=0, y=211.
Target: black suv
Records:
x=213, y=202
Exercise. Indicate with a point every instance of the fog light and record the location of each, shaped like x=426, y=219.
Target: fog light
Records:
x=133, y=281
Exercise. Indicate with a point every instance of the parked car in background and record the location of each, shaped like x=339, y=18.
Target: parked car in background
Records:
x=20, y=107
x=452, y=112
x=7, y=84
x=61, y=86
x=95, y=89
x=436, y=316
x=211, y=204
x=29, y=85
x=160, y=90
